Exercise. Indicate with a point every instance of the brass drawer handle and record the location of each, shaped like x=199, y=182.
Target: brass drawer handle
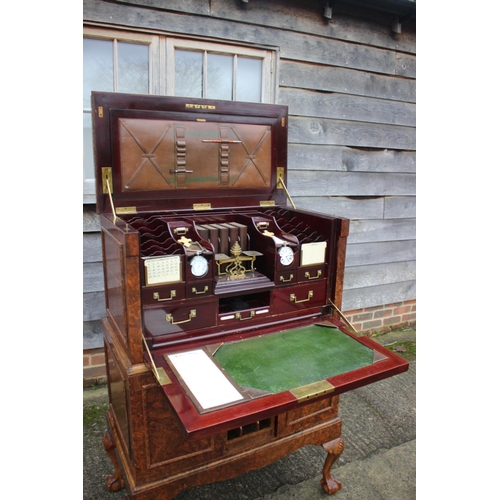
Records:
x=308, y=276
x=284, y=280
x=156, y=296
x=197, y=292
x=238, y=316
x=170, y=318
x=293, y=297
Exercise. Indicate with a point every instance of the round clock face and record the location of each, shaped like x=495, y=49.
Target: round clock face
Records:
x=199, y=266
x=286, y=255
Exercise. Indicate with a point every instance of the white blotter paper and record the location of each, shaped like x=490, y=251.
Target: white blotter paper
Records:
x=204, y=379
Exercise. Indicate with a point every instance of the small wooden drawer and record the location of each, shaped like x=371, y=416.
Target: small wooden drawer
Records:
x=181, y=316
x=239, y=309
x=194, y=290
x=152, y=295
x=286, y=277
x=253, y=314
x=307, y=416
x=250, y=435
x=311, y=273
x=299, y=297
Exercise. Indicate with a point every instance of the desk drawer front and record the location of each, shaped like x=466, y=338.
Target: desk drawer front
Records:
x=286, y=277
x=250, y=435
x=311, y=273
x=163, y=294
x=180, y=317
x=294, y=298
x=197, y=290
x=250, y=315
x=244, y=309
x=307, y=416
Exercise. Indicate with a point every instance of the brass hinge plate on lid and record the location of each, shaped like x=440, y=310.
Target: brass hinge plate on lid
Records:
x=107, y=180
x=281, y=176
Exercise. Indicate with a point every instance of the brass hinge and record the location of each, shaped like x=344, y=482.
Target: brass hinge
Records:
x=312, y=390
x=107, y=180
x=107, y=188
x=280, y=171
x=202, y=206
x=126, y=210
x=159, y=373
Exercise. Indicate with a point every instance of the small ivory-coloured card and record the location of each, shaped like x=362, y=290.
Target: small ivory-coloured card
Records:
x=204, y=378
x=163, y=270
x=312, y=253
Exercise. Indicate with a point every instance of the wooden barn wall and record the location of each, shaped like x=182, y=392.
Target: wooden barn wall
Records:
x=350, y=87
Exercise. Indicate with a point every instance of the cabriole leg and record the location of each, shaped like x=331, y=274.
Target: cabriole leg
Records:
x=334, y=449
x=114, y=482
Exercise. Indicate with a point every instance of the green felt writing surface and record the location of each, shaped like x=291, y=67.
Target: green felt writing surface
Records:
x=292, y=358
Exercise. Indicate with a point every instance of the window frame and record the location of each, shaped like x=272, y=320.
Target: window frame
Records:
x=162, y=48
x=265, y=55
x=115, y=36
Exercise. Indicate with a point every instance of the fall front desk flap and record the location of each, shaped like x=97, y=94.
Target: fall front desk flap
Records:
x=230, y=383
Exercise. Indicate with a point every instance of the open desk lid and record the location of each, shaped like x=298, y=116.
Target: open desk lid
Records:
x=216, y=388
x=158, y=153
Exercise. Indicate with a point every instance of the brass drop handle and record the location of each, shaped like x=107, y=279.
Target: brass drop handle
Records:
x=197, y=292
x=170, y=319
x=156, y=296
x=293, y=297
x=284, y=280
x=238, y=316
x=308, y=276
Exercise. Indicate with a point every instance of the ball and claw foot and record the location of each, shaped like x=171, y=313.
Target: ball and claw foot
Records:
x=334, y=449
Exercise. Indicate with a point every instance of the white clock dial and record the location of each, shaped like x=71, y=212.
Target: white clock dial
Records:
x=286, y=255
x=199, y=266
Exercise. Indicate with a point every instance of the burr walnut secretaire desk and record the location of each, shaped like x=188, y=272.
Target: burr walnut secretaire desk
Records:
x=225, y=345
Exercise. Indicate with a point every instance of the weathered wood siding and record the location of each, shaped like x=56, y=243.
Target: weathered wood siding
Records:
x=93, y=281
x=350, y=87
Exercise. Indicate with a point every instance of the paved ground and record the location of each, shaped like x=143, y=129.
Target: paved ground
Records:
x=378, y=463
